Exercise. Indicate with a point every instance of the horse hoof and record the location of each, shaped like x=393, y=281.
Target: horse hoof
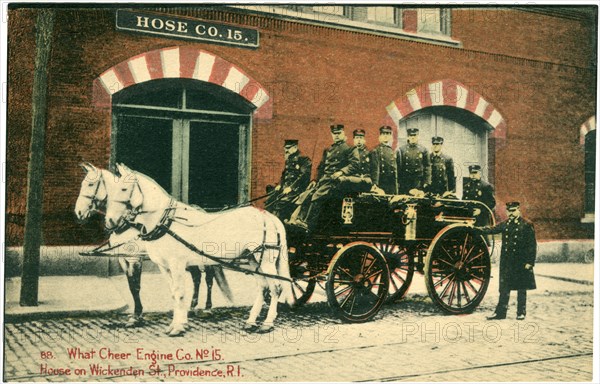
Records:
x=265, y=329
x=177, y=332
x=134, y=322
x=250, y=328
x=194, y=304
x=169, y=329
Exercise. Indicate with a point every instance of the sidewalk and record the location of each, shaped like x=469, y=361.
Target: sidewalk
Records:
x=61, y=296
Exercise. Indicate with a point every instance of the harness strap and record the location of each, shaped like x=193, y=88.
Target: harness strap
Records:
x=219, y=260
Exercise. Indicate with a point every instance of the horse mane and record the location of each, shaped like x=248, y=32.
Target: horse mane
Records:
x=149, y=179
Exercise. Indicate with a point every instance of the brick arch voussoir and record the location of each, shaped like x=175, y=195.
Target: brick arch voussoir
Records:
x=446, y=92
x=182, y=62
x=587, y=127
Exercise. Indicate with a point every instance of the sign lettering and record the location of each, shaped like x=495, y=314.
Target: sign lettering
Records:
x=184, y=28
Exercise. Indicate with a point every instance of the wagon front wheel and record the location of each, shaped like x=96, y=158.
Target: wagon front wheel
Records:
x=357, y=282
x=457, y=269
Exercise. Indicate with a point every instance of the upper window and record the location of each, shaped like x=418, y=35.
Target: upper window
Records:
x=384, y=15
x=331, y=9
x=429, y=20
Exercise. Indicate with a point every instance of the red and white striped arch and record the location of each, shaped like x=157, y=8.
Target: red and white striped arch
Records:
x=586, y=128
x=446, y=93
x=182, y=62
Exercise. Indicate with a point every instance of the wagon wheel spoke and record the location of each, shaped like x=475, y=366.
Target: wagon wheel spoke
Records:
x=458, y=294
x=477, y=256
x=466, y=293
x=447, y=286
x=343, y=290
x=441, y=281
x=475, y=290
x=351, y=294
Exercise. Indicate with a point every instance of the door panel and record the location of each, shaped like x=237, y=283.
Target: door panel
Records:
x=213, y=164
x=145, y=145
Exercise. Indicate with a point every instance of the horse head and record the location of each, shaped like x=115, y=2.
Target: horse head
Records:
x=92, y=192
x=123, y=197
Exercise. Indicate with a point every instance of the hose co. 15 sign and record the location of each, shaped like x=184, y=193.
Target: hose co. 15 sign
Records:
x=184, y=28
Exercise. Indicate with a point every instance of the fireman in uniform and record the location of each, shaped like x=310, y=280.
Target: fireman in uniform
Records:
x=442, y=169
x=414, y=171
x=359, y=178
x=294, y=180
x=476, y=189
x=338, y=160
x=517, y=259
x=384, y=169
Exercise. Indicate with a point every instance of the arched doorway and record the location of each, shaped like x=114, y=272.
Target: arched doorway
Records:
x=190, y=136
x=184, y=116
x=465, y=137
x=465, y=119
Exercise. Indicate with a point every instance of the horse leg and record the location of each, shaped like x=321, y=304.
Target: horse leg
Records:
x=257, y=306
x=268, y=266
x=197, y=279
x=180, y=312
x=133, y=271
x=167, y=273
x=210, y=276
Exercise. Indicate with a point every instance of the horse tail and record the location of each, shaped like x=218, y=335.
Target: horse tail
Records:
x=222, y=282
x=283, y=264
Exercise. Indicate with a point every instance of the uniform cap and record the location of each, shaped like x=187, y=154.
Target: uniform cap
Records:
x=437, y=140
x=336, y=127
x=512, y=205
x=474, y=168
x=412, y=131
x=290, y=143
x=359, y=132
x=385, y=129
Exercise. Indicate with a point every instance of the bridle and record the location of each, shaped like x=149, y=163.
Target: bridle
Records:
x=95, y=203
x=131, y=213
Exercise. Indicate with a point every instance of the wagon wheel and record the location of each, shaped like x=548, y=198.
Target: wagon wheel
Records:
x=401, y=266
x=457, y=269
x=357, y=282
x=302, y=286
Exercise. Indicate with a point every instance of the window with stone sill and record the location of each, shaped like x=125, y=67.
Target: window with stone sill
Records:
x=384, y=15
x=433, y=21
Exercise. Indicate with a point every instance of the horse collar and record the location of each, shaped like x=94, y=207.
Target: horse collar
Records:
x=163, y=225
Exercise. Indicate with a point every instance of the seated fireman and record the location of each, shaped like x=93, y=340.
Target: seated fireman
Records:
x=359, y=179
x=294, y=180
x=338, y=160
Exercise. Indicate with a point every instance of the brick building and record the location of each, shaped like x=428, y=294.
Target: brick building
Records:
x=510, y=88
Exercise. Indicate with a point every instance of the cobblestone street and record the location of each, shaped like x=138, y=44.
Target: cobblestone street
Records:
x=408, y=341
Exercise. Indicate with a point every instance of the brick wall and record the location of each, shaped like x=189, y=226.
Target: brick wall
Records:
x=316, y=76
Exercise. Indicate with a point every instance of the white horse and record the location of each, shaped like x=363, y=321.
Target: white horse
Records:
x=244, y=235
x=92, y=196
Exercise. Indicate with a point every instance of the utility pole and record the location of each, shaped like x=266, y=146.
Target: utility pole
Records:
x=35, y=170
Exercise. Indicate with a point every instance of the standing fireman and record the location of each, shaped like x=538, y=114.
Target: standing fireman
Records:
x=384, y=169
x=442, y=169
x=476, y=189
x=414, y=171
x=517, y=259
x=294, y=180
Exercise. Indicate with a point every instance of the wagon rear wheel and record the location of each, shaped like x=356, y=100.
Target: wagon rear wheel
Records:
x=401, y=266
x=358, y=282
x=457, y=269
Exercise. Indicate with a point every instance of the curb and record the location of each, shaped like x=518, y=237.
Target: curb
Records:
x=20, y=317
